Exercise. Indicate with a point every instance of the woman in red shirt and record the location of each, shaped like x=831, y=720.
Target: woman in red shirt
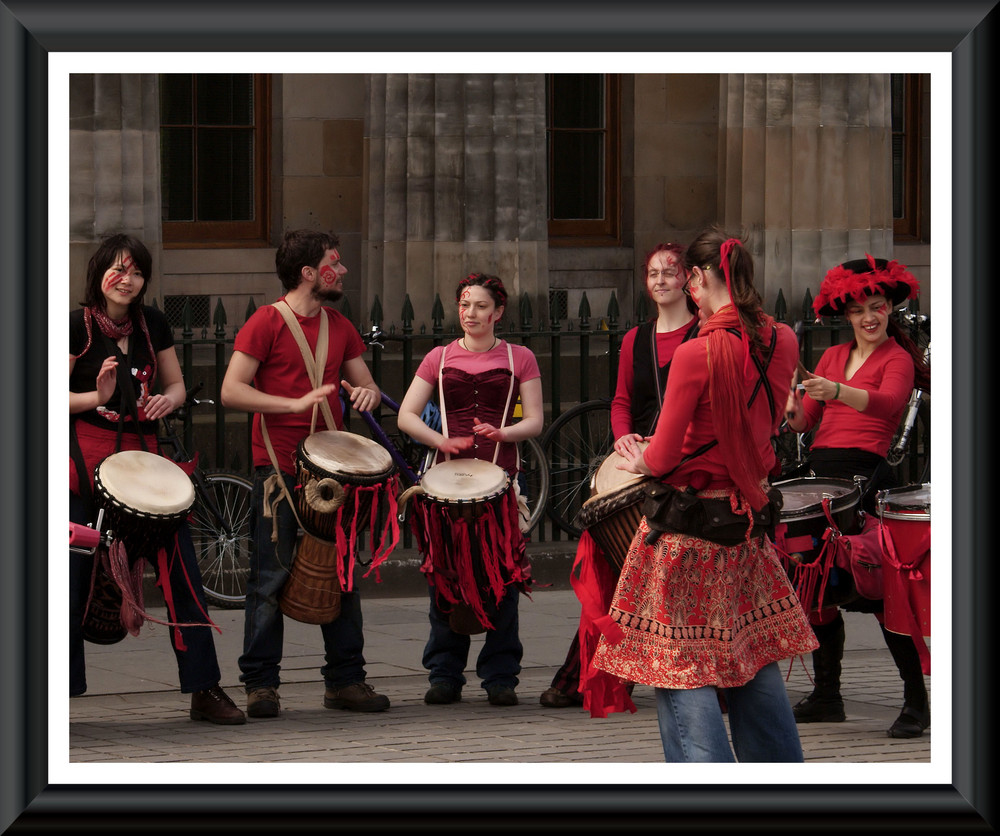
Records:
x=643, y=366
x=859, y=390
x=698, y=613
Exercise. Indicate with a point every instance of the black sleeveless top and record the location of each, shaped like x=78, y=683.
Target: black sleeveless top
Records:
x=646, y=374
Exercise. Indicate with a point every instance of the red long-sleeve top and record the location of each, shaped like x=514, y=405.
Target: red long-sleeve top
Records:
x=887, y=376
x=687, y=424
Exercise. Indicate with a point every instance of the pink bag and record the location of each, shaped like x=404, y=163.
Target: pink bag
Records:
x=861, y=555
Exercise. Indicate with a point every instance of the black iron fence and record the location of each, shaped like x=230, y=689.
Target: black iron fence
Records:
x=578, y=358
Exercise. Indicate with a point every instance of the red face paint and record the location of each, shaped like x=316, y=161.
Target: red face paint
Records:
x=328, y=274
x=111, y=281
x=466, y=293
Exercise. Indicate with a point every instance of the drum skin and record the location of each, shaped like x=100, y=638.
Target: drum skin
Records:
x=802, y=516
x=464, y=486
x=905, y=514
x=613, y=512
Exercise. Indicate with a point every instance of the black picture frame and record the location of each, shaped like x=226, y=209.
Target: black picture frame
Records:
x=31, y=29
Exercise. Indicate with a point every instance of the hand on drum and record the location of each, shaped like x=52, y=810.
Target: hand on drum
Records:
x=362, y=398
x=488, y=430
x=455, y=445
x=628, y=445
x=634, y=462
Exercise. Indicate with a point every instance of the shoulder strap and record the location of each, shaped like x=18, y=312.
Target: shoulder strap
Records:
x=314, y=365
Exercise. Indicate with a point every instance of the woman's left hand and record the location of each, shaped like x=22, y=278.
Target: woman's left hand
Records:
x=158, y=406
x=487, y=430
x=819, y=388
x=634, y=463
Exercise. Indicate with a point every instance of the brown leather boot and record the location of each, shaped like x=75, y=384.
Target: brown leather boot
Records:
x=215, y=706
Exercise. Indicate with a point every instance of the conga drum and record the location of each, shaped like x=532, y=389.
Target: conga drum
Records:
x=145, y=498
x=810, y=506
x=341, y=478
x=467, y=522
x=613, y=512
x=906, y=559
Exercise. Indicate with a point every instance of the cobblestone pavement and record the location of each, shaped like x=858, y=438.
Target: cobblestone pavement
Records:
x=134, y=713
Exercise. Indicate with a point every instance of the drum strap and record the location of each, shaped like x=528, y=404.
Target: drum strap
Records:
x=315, y=365
x=503, y=417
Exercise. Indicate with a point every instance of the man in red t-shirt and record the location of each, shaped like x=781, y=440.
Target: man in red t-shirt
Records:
x=267, y=376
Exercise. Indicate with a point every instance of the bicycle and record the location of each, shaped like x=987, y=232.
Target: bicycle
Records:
x=220, y=516
x=574, y=446
x=413, y=458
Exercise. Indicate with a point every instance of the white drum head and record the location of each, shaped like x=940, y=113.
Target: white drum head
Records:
x=808, y=493
x=146, y=482
x=609, y=478
x=464, y=480
x=341, y=452
x=912, y=503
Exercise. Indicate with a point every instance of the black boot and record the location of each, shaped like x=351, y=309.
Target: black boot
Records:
x=916, y=713
x=824, y=704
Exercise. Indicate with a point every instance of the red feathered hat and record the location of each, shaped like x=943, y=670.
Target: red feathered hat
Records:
x=863, y=277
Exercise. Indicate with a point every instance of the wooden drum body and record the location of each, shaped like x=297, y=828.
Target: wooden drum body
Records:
x=804, y=521
x=339, y=477
x=905, y=514
x=613, y=513
x=145, y=498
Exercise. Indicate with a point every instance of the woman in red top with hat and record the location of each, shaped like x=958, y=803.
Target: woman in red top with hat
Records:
x=859, y=390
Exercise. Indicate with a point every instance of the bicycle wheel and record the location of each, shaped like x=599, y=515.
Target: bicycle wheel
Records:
x=535, y=479
x=222, y=540
x=574, y=446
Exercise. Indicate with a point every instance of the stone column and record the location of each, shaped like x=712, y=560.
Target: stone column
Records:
x=114, y=165
x=456, y=182
x=805, y=167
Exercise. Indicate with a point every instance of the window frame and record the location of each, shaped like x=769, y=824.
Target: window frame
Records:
x=908, y=228
x=598, y=232
x=222, y=234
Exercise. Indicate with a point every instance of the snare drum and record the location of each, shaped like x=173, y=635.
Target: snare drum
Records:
x=145, y=498
x=466, y=527
x=613, y=512
x=906, y=566
x=341, y=479
x=799, y=537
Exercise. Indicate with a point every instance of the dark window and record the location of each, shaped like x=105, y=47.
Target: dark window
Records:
x=582, y=120
x=910, y=178
x=214, y=146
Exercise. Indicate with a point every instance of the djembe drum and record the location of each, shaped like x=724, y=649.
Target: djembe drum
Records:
x=341, y=479
x=145, y=498
x=466, y=520
x=613, y=512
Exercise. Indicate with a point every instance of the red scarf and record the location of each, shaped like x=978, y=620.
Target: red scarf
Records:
x=115, y=329
x=730, y=414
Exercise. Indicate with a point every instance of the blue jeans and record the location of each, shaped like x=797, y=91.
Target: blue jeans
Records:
x=264, y=627
x=447, y=652
x=760, y=716
x=197, y=666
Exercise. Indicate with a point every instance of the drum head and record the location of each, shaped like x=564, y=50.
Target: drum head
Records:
x=804, y=497
x=609, y=478
x=146, y=483
x=464, y=480
x=910, y=503
x=341, y=453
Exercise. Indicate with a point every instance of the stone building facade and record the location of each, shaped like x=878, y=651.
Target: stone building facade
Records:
x=426, y=177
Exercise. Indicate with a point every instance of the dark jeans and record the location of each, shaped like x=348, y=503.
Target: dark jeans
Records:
x=263, y=636
x=197, y=666
x=447, y=652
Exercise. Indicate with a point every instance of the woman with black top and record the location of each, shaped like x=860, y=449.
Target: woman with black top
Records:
x=643, y=366
x=119, y=349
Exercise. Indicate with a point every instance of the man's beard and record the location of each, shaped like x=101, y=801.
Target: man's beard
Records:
x=327, y=294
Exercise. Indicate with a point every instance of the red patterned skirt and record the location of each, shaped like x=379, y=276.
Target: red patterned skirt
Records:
x=694, y=613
